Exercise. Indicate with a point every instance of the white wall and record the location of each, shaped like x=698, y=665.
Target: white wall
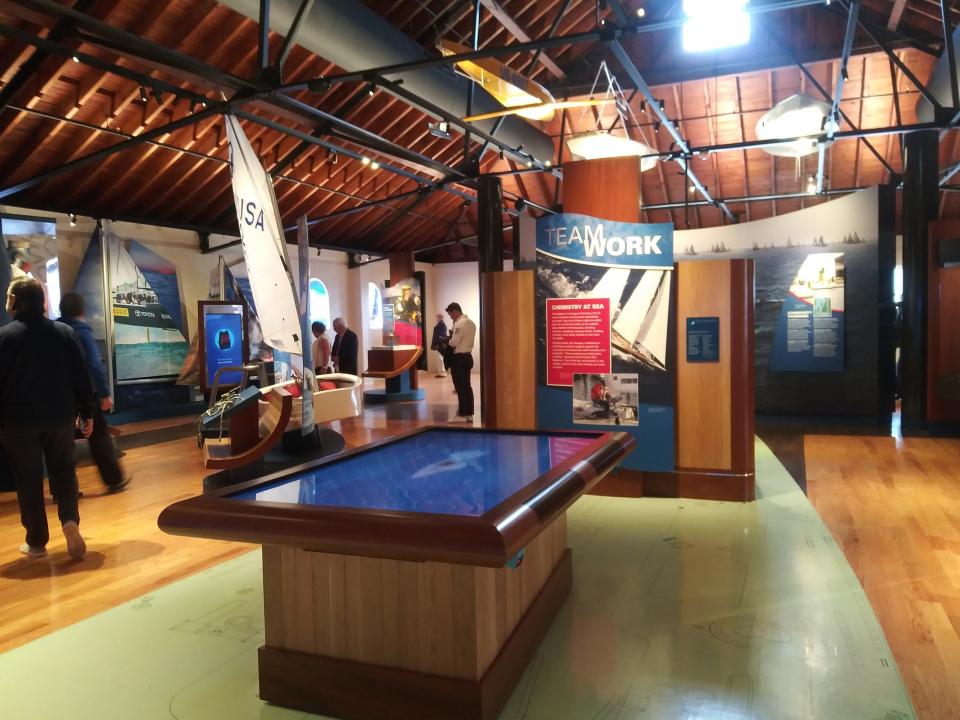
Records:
x=458, y=282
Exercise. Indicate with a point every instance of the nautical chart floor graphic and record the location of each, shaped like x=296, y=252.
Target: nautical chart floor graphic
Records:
x=680, y=609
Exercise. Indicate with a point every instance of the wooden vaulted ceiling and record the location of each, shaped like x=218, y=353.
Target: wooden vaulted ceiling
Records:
x=59, y=112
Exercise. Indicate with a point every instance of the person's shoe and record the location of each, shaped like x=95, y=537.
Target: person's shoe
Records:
x=34, y=552
x=119, y=487
x=76, y=546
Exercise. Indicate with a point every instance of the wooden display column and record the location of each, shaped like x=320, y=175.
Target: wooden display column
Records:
x=714, y=402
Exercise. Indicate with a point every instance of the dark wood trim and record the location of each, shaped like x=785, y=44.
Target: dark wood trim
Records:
x=489, y=540
x=358, y=691
x=701, y=485
x=742, y=405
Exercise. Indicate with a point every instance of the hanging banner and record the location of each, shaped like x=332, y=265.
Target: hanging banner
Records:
x=605, y=327
x=810, y=330
x=148, y=340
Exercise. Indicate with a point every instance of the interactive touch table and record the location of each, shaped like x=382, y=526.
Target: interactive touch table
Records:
x=411, y=578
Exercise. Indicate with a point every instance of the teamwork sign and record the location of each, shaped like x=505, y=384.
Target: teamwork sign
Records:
x=809, y=335
x=604, y=302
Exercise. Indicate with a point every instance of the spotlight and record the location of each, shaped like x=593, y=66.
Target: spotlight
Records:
x=547, y=163
x=811, y=185
x=641, y=12
x=520, y=205
x=73, y=220
x=143, y=95
x=692, y=189
x=76, y=59
x=530, y=163
x=203, y=103
x=365, y=160
x=371, y=89
x=440, y=129
x=333, y=157
x=501, y=153
x=374, y=165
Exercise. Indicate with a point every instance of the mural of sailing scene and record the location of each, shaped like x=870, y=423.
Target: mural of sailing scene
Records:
x=780, y=248
x=145, y=299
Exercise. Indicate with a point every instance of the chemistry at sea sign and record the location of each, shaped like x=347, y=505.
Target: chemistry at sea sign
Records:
x=585, y=239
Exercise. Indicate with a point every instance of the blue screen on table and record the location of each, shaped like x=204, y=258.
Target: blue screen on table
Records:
x=439, y=471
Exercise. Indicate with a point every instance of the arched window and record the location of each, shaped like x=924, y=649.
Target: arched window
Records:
x=375, y=301
x=319, y=302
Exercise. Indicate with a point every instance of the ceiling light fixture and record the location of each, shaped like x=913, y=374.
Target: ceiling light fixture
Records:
x=600, y=144
x=143, y=95
x=371, y=89
x=374, y=165
x=715, y=24
x=76, y=59
x=440, y=129
x=73, y=220
x=520, y=205
x=365, y=160
x=641, y=12
x=799, y=116
x=811, y=185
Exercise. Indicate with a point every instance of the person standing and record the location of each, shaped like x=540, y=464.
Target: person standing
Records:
x=321, y=348
x=345, y=348
x=104, y=452
x=439, y=342
x=44, y=387
x=461, y=359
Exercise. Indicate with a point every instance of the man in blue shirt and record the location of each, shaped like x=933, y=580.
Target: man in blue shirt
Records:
x=101, y=444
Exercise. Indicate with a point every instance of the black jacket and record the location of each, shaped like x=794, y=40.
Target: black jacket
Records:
x=345, y=350
x=44, y=382
x=439, y=335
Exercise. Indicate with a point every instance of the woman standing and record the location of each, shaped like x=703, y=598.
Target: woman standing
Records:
x=321, y=348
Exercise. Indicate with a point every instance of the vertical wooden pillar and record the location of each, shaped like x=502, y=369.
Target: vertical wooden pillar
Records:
x=490, y=248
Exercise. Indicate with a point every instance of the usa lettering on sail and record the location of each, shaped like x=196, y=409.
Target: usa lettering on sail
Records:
x=252, y=214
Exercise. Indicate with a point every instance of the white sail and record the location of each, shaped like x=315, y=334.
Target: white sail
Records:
x=631, y=319
x=611, y=286
x=653, y=334
x=264, y=247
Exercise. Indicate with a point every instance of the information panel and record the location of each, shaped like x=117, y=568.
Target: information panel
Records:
x=703, y=339
x=578, y=338
x=223, y=342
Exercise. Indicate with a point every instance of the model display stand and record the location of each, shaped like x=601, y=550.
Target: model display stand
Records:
x=244, y=444
x=397, y=365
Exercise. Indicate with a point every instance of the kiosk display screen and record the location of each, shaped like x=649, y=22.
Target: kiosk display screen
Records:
x=223, y=342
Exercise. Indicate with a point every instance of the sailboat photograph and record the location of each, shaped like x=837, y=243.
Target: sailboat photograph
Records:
x=148, y=342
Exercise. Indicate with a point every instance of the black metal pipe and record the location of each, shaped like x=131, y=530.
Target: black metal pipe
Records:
x=951, y=57
x=490, y=224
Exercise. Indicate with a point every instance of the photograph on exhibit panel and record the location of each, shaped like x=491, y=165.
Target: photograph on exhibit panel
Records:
x=610, y=399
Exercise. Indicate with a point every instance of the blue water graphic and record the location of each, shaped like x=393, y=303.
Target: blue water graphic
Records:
x=439, y=471
x=138, y=361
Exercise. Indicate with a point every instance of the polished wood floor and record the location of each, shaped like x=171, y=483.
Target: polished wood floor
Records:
x=894, y=507
x=128, y=555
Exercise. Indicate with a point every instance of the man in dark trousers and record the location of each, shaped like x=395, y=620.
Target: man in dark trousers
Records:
x=461, y=342
x=44, y=386
x=345, y=348
x=102, y=449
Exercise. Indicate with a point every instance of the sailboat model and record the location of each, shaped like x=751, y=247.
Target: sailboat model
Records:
x=642, y=326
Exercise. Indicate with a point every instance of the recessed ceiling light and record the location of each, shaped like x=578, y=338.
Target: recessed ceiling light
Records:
x=365, y=160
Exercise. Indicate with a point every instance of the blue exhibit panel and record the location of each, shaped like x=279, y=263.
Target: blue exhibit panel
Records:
x=223, y=346
x=439, y=471
x=703, y=339
x=654, y=431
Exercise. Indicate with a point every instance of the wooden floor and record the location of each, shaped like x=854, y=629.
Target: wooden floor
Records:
x=128, y=555
x=894, y=507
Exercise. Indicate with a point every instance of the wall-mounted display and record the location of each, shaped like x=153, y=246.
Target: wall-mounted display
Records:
x=148, y=335
x=407, y=314
x=605, y=309
x=703, y=339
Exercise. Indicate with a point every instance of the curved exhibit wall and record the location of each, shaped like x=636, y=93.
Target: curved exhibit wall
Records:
x=823, y=302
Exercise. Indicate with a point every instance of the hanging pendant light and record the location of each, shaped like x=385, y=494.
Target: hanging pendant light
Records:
x=799, y=116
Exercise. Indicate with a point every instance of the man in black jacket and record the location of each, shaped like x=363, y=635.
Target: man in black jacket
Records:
x=44, y=386
x=345, y=348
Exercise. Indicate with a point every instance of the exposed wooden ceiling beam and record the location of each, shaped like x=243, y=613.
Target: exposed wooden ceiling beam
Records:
x=497, y=10
x=895, y=14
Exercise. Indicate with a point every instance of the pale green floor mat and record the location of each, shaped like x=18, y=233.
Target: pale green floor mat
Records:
x=680, y=609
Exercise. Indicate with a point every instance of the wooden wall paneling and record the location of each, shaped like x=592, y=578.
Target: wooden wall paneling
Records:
x=943, y=321
x=703, y=389
x=272, y=595
x=608, y=188
x=509, y=349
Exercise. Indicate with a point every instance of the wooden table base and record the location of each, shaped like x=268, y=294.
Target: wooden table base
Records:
x=359, y=691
